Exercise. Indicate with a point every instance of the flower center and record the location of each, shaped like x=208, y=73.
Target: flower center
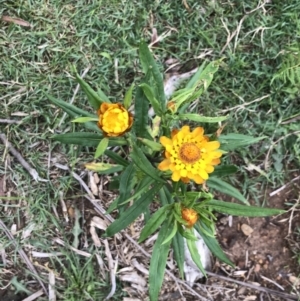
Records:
x=189, y=153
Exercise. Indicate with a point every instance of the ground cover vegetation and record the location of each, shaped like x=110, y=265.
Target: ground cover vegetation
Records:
x=257, y=85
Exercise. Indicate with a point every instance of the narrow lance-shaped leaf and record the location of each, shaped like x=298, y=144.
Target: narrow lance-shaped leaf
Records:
x=212, y=243
x=141, y=117
x=242, y=210
x=104, y=168
x=158, y=261
x=154, y=222
x=195, y=254
x=87, y=139
x=128, y=97
x=143, y=163
x=178, y=248
x=133, y=212
x=149, y=64
x=84, y=119
x=173, y=232
x=102, y=146
x=199, y=118
x=73, y=111
x=127, y=182
x=224, y=170
x=226, y=188
x=94, y=98
x=153, y=101
x=233, y=141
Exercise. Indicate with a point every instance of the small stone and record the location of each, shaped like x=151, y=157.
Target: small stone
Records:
x=247, y=230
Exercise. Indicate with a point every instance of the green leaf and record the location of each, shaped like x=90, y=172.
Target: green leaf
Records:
x=128, y=97
x=94, y=98
x=212, y=243
x=199, y=118
x=73, y=111
x=140, y=189
x=127, y=181
x=226, y=188
x=178, y=248
x=87, y=139
x=102, y=146
x=165, y=196
x=85, y=119
x=154, y=222
x=224, y=170
x=158, y=262
x=141, y=107
x=141, y=161
x=149, y=65
x=133, y=212
x=186, y=233
x=155, y=146
x=194, y=253
x=242, y=210
x=172, y=234
x=104, y=168
x=233, y=141
x=153, y=101
x=117, y=158
x=106, y=55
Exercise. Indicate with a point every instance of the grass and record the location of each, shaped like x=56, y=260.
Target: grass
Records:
x=97, y=34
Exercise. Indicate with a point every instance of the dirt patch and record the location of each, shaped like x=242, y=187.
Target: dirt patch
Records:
x=262, y=248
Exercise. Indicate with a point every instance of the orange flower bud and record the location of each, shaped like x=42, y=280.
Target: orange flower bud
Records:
x=190, y=216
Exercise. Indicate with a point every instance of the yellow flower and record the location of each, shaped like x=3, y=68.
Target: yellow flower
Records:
x=190, y=216
x=190, y=155
x=114, y=119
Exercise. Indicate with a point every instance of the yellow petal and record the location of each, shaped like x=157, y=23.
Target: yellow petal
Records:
x=176, y=176
x=198, y=132
x=164, y=165
x=165, y=141
x=209, y=168
x=198, y=179
x=212, y=145
x=203, y=174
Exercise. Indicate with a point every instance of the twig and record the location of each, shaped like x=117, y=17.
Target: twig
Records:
x=274, y=143
x=9, y=121
x=258, y=288
x=23, y=255
x=74, y=94
x=283, y=187
x=111, y=270
x=34, y=296
x=241, y=106
x=237, y=30
x=18, y=156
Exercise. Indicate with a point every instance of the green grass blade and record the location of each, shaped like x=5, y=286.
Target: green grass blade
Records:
x=226, y=188
x=242, y=210
x=134, y=211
